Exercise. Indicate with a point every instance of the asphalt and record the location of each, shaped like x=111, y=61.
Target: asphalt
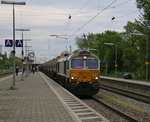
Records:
x=32, y=101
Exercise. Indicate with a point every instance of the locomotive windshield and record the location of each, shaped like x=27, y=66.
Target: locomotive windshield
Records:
x=91, y=64
x=86, y=64
x=77, y=63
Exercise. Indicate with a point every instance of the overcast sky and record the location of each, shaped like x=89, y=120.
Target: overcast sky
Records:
x=51, y=17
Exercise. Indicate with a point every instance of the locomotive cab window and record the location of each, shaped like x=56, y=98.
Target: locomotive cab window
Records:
x=91, y=64
x=77, y=64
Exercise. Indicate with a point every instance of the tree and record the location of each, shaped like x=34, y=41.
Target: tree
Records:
x=137, y=35
x=132, y=44
x=104, y=52
x=144, y=5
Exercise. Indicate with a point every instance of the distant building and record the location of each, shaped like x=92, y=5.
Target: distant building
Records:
x=0, y=49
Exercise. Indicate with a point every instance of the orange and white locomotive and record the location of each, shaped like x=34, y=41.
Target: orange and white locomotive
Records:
x=78, y=72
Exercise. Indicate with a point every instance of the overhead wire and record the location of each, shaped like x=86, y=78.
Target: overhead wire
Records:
x=121, y=4
x=118, y=18
x=70, y=15
x=108, y=7
x=69, y=21
x=82, y=7
x=90, y=19
x=93, y=18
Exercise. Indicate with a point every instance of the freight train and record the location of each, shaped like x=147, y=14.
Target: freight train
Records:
x=78, y=72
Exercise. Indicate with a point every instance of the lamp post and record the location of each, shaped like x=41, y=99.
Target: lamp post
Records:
x=116, y=57
x=147, y=62
x=22, y=53
x=14, y=42
x=147, y=55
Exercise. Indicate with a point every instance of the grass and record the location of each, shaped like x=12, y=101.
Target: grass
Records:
x=129, y=105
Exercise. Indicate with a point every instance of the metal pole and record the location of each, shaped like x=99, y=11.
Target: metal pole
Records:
x=70, y=49
x=22, y=58
x=84, y=41
x=26, y=58
x=116, y=65
x=116, y=53
x=147, y=62
x=14, y=43
x=106, y=67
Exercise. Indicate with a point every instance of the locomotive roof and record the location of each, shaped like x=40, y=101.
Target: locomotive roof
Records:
x=83, y=53
x=79, y=53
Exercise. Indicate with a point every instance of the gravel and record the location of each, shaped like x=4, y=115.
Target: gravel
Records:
x=110, y=115
x=138, y=110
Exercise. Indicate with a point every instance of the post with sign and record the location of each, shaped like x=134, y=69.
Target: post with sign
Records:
x=19, y=43
x=13, y=3
x=8, y=43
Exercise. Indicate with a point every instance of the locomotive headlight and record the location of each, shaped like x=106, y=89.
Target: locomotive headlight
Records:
x=95, y=78
x=73, y=78
x=84, y=57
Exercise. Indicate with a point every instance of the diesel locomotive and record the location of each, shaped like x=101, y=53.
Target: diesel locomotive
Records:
x=78, y=72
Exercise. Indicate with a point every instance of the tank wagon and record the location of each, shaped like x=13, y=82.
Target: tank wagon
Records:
x=78, y=72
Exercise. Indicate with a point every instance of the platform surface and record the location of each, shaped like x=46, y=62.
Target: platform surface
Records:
x=33, y=101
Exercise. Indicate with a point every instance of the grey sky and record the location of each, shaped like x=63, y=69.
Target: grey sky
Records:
x=47, y=17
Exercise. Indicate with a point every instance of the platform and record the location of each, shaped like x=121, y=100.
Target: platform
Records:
x=35, y=100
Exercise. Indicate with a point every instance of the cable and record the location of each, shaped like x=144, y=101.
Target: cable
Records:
x=70, y=19
x=93, y=18
x=82, y=7
x=121, y=4
x=108, y=24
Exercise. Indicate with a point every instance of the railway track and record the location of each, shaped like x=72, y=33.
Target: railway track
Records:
x=137, y=93
x=138, y=90
x=131, y=94
x=117, y=111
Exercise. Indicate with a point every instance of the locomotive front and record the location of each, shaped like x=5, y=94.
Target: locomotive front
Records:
x=84, y=73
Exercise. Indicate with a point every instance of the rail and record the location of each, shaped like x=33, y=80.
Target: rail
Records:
x=128, y=117
x=131, y=88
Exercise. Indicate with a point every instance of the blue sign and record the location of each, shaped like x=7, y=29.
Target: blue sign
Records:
x=19, y=43
x=8, y=43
